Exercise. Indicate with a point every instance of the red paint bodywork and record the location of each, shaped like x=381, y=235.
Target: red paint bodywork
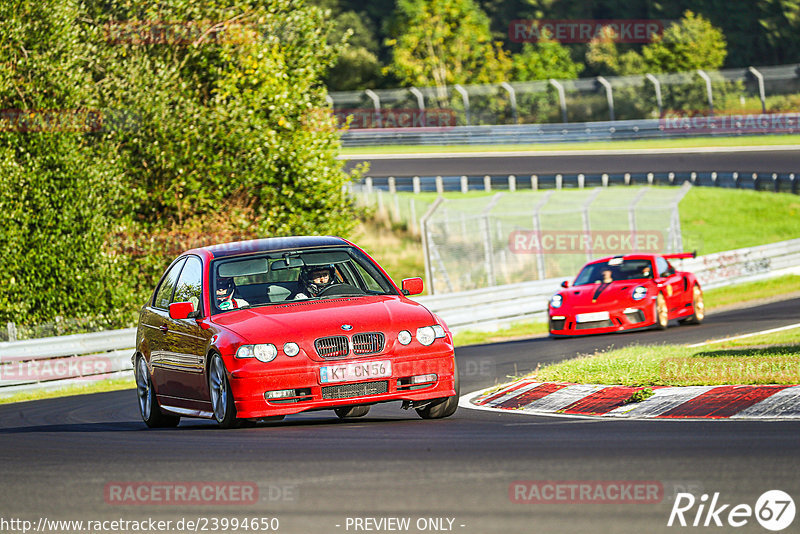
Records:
x=185, y=346
x=677, y=289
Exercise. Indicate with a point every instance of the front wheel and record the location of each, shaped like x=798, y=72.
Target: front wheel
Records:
x=148, y=404
x=221, y=395
x=662, y=313
x=444, y=407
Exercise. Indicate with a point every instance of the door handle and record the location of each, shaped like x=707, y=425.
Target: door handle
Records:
x=164, y=328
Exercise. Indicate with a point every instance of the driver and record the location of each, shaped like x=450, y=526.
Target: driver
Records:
x=225, y=299
x=314, y=279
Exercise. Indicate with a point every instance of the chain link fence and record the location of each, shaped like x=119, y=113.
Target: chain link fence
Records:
x=472, y=243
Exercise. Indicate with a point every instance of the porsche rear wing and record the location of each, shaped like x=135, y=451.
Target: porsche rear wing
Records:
x=681, y=256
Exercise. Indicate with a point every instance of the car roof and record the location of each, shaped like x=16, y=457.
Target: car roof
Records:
x=268, y=245
x=625, y=257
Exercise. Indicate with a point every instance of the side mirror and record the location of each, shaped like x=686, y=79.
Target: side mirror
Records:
x=412, y=286
x=565, y=283
x=182, y=310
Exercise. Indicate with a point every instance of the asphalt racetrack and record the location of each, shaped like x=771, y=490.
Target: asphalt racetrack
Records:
x=741, y=159
x=319, y=475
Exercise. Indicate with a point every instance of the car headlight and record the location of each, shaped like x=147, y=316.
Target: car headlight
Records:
x=404, y=337
x=428, y=334
x=556, y=300
x=639, y=292
x=291, y=349
x=245, y=351
x=265, y=352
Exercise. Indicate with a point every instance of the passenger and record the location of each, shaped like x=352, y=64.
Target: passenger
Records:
x=225, y=299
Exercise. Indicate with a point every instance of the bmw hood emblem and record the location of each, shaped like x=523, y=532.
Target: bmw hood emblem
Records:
x=347, y=327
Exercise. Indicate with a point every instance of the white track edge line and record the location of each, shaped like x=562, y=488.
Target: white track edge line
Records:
x=770, y=331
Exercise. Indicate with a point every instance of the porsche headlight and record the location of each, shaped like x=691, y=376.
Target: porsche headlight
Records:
x=556, y=301
x=639, y=292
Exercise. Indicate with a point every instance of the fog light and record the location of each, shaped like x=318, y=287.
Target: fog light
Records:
x=421, y=379
x=291, y=349
x=630, y=310
x=558, y=317
x=279, y=394
x=404, y=337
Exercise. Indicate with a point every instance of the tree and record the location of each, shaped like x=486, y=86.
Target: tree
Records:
x=444, y=42
x=543, y=60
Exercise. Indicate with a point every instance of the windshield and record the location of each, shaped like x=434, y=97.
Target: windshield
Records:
x=280, y=277
x=613, y=270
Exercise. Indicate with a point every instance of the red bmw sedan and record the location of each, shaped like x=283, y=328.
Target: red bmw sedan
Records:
x=265, y=328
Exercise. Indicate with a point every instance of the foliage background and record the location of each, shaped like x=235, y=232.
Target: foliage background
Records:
x=225, y=136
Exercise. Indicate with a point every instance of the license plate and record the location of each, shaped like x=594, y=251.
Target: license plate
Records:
x=353, y=372
x=591, y=317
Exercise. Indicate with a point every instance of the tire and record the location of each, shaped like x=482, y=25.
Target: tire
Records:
x=662, y=312
x=698, y=307
x=351, y=412
x=219, y=388
x=444, y=407
x=149, y=409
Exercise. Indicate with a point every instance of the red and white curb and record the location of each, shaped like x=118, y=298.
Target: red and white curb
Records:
x=589, y=400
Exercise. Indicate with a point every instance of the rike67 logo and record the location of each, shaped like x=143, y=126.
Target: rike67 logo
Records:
x=774, y=510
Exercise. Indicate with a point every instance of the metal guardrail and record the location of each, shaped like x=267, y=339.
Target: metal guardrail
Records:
x=547, y=133
x=55, y=362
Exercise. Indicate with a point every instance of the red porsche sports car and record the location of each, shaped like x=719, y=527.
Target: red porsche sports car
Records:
x=264, y=328
x=626, y=293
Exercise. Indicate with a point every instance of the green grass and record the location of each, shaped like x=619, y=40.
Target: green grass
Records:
x=643, y=144
x=714, y=220
x=750, y=291
x=766, y=359
x=396, y=250
x=93, y=387
x=520, y=330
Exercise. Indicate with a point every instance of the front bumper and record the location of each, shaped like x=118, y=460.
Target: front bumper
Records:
x=565, y=323
x=249, y=385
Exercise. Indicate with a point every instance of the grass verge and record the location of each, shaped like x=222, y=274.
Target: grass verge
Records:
x=643, y=144
x=765, y=359
x=94, y=387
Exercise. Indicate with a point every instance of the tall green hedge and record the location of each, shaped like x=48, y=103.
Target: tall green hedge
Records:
x=219, y=133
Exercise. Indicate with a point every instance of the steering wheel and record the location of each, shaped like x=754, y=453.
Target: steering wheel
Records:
x=340, y=289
